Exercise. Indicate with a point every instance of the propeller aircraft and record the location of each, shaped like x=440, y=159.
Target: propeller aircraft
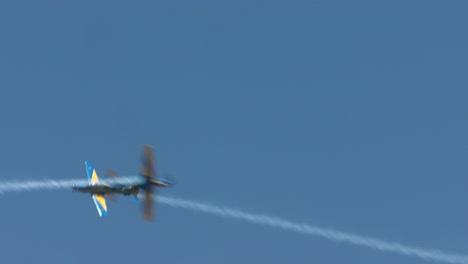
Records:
x=148, y=185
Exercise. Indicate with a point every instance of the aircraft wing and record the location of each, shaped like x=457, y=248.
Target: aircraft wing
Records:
x=100, y=203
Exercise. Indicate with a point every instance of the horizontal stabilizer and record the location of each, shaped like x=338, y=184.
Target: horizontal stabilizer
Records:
x=100, y=203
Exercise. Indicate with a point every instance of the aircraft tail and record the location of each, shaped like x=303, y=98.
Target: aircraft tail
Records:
x=91, y=171
x=100, y=203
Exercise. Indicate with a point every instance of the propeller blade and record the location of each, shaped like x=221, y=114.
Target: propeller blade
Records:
x=111, y=174
x=148, y=204
x=148, y=163
x=148, y=170
x=112, y=197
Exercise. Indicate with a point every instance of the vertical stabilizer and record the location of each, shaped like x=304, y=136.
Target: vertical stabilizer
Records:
x=91, y=171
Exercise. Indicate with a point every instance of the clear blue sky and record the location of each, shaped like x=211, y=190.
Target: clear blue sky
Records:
x=343, y=114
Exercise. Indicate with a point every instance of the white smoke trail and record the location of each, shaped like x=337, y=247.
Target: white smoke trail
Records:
x=330, y=234
x=17, y=186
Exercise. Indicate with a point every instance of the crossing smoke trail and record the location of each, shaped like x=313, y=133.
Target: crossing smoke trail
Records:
x=330, y=234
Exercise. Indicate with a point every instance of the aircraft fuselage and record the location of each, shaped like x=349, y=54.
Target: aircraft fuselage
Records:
x=104, y=189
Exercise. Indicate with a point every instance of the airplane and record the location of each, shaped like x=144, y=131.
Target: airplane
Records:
x=98, y=189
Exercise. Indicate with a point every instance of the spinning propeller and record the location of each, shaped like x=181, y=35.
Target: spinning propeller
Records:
x=148, y=171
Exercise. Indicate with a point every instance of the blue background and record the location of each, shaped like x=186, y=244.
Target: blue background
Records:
x=349, y=115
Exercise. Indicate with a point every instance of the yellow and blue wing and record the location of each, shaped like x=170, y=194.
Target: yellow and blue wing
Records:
x=100, y=203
